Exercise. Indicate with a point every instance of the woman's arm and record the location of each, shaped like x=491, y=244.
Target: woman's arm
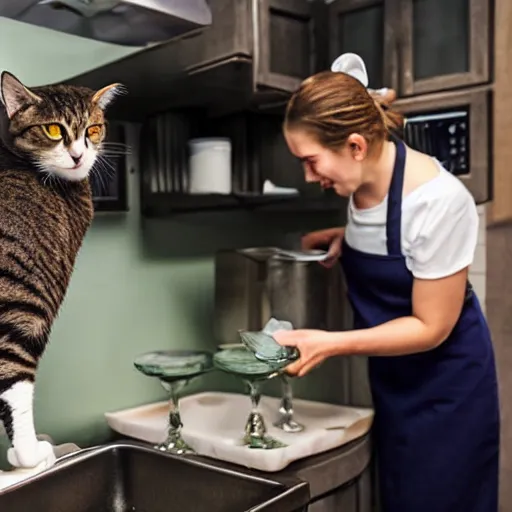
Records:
x=330, y=238
x=324, y=237
x=437, y=305
x=440, y=256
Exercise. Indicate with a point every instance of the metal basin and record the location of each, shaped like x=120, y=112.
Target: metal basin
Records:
x=130, y=477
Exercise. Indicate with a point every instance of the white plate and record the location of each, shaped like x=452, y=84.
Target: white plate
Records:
x=214, y=423
x=304, y=256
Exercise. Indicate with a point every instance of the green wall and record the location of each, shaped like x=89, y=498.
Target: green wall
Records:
x=138, y=285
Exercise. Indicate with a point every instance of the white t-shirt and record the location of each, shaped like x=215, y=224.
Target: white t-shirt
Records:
x=439, y=227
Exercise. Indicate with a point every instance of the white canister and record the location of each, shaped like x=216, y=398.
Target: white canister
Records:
x=210, y=166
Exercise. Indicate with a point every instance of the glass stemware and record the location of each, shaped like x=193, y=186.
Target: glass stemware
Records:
x=266, y=349
x=286, y=421
x=175, y=369
x=242, y=363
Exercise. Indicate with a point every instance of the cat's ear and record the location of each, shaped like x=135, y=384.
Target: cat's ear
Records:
x=14, y=94
x=105, y=96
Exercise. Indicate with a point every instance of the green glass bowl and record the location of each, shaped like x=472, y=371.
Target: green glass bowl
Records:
x=172, y=365
x=243, y=363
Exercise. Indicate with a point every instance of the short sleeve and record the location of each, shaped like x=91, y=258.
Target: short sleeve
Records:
x=447, y=240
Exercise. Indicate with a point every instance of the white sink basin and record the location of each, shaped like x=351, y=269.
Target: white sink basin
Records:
x=214, y=424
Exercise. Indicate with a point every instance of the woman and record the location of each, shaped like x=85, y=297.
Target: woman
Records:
x=409, y=240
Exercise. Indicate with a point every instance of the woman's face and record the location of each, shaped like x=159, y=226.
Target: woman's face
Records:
x=341, y=170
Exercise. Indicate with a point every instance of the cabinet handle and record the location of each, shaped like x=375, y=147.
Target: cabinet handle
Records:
x=398, y=65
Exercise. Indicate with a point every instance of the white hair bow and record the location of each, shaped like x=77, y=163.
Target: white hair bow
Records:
x=353, y=65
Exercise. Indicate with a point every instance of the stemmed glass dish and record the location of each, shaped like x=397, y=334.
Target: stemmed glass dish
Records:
x=285, y=421
x=266, y=349
x=242, y=363
x=175, y=369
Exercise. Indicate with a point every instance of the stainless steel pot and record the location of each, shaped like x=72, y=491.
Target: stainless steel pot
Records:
x=254, y=284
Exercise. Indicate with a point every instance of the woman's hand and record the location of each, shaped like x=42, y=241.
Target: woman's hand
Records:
x=314, y=346
x=326, y=237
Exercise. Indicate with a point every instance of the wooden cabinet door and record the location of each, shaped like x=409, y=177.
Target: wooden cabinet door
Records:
x=444, y=44
x=284, y=43
x=365, y=27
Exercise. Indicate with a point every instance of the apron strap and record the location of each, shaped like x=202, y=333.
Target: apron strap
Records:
x=394, y=214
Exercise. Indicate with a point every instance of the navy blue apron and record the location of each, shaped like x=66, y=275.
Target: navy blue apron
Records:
x=436, y=413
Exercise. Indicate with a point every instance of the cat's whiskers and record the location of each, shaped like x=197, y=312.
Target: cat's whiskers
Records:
x=103, y=185
x=114, y=154
x=49, y=179
x=113, y=151
x=115, y=146
x=108, y=166
x=103, y=169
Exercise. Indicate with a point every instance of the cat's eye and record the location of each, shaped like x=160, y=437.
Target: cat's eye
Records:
x=94, y=132
x=53, y=131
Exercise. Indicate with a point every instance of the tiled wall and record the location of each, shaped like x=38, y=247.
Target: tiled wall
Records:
x=477, y=273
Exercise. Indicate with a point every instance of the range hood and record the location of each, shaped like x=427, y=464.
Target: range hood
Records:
x=123, y=22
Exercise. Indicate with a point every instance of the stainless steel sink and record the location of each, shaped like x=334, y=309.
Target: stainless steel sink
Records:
x=131, y=477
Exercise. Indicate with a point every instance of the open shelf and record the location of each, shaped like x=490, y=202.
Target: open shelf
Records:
x=259, y=153
x=164, y=204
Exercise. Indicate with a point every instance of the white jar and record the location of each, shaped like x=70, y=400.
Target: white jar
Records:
x=210, y=166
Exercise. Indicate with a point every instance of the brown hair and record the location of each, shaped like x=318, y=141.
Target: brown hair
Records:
x=333, y=105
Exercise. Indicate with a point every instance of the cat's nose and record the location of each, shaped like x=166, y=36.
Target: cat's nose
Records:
x=77, y=159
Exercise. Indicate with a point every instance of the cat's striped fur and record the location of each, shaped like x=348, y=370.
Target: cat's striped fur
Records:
x=45, y=211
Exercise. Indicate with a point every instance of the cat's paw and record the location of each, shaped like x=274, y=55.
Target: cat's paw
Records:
x=30, y=457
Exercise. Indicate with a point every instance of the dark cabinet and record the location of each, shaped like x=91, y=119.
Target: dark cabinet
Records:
x=444, y=44
x=360, y=26
x=255, y=52
x=415, y=46
x=285, y=48
x=261, y=30
x=278, y=36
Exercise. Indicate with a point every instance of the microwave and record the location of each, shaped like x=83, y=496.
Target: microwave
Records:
x=443, y=135
x=455, y=128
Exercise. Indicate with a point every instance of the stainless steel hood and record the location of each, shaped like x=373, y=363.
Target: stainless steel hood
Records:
x=123, y=22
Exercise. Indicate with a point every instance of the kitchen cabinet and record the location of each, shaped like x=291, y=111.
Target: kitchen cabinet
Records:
x=362, y=27
x=255, y=51
x=277, y=34
x=443, y=44
x=285, y=48
x=415, y=46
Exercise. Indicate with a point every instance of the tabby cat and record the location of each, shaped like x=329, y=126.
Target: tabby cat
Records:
x=50, y=139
